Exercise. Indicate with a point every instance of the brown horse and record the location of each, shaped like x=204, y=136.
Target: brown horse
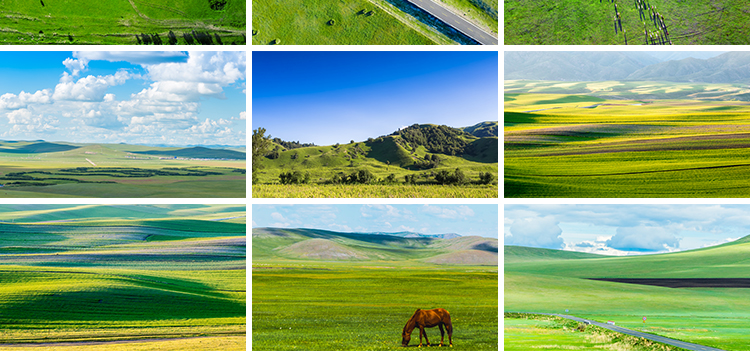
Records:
x=428, y=319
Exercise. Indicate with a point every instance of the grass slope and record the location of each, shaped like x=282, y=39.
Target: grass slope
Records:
x=117, y=22
x=715, y=317
x=559, y=145
x=100, y=284
x=304, y=304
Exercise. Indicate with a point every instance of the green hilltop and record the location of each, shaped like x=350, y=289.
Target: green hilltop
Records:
x=418, y=149
x=277, y=244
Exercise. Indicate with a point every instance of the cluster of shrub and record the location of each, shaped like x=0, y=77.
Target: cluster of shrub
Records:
x=429, y=162
x=134, y=172
x=292, y=145
x=437, y=139
x=364, y=176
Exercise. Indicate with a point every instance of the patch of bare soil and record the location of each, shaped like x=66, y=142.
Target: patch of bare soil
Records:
x=466, y=257
x=322, y=249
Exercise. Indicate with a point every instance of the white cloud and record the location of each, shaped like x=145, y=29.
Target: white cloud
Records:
x=12, y=101
x=540, y=232
x=76, y=66
x=89, y=88
x=644, y=239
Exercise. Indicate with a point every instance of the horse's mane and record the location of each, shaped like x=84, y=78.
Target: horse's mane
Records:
x=412, y=321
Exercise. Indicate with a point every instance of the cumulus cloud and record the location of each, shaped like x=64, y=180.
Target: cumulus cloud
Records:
x=89, y=88
x=644, y=239
x=540, y=232
x=11, y=101
x=166, y=108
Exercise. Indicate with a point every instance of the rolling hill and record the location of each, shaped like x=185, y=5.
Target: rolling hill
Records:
x=97, y=276
x=415, y=149
x=699, y=296
x=312, y=244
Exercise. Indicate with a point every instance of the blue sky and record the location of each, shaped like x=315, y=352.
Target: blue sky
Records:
x=177, y=98
x=624, y=229
x=465, y=220
x=334, y=97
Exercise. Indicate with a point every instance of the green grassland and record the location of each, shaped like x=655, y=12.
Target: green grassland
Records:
x=699, y=22
x=524, y=332
x=384, y=156
x=157, y=283
x=321, y=290
x=119, y=21
x=536, y=281
x=42, y=169
x=365, y=22
x=622, y=142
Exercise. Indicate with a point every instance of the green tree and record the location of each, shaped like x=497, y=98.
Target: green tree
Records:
x=261, y=145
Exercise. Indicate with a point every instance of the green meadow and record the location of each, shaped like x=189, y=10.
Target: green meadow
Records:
x=626, y=139
x=364, y=22
x=699, y=22
x=524, y=332
x=122, y=277
x=42, y=169
x=320, y=290
x=544, y=281
x=119, y=21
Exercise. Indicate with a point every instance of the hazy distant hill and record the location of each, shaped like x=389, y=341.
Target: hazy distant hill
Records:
x=196, y=153
x=34, y=147
x=729, y=67
x=280, y=243
x=574, y=66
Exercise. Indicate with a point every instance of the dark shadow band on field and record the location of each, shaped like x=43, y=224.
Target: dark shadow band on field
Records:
x=432, y=21
x=685, y=282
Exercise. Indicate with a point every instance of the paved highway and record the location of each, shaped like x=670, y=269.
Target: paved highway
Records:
x=455, y=21
x=657, y=338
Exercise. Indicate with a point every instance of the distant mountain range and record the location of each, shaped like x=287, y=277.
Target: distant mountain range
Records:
x=702, y=67
x=40, y=146
x=317, y=244
x=420, y=235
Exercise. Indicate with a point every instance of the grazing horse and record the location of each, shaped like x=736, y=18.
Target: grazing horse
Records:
x=428, y=319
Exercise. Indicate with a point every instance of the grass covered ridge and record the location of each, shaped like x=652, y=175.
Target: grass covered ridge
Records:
x=714, y=317
x=130, y=280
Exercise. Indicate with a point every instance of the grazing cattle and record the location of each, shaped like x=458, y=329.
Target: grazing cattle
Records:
x=428, y=319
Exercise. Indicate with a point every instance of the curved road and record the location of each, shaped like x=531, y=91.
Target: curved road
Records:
x=455, y=21
x=658, y=338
